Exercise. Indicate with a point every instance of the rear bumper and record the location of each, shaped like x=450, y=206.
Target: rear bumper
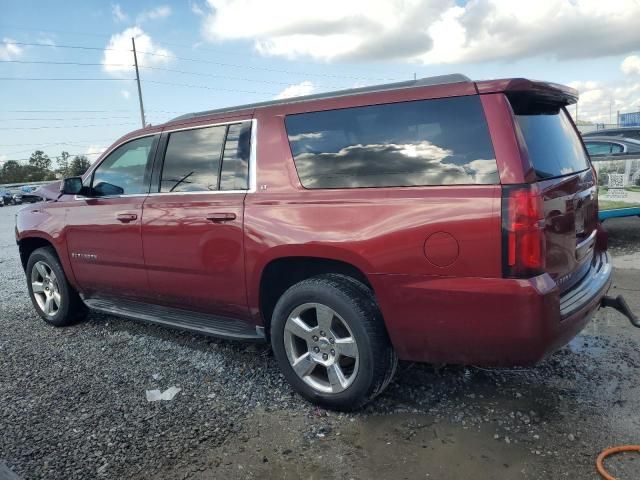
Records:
x=486, y=321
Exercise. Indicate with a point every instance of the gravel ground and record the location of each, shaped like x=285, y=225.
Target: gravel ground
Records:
x=73, y=405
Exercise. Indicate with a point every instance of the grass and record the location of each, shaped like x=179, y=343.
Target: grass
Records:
x=614, y=204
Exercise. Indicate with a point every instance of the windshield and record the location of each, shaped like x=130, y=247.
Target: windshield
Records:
x=553, y=144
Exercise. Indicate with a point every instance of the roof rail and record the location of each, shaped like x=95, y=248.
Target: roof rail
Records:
x=420, y=82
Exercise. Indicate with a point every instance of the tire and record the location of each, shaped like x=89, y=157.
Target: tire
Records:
x=333, y=372
x=46, y=276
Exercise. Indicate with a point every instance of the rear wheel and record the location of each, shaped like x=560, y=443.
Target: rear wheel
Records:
x=330, y=341
x=52, y=296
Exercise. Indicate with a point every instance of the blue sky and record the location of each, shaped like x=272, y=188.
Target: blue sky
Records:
x=238, y=52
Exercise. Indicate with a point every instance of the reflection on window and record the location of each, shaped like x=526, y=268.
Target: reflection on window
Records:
x=427, y=142
x=553, y=145
x=122, y=172
x=234, y=174
x=192, y=160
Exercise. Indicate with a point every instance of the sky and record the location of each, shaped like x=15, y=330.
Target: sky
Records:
x=66, y=68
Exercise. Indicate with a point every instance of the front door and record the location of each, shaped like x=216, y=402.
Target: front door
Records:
x=192, y=228
x=103, y=228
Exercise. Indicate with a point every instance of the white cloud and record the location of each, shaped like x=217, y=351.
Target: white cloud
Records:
x=631, y=65
x=118, y=13
x=94, y=151
x=196, y=9
x=162, y=11
x=297, y=90
x=598, y=99
x=126, y=94
x=429, y=31
x=8, y=51
x=118, y=58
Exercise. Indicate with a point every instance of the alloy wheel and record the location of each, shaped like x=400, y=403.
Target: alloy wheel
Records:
x=45, y=288
x=321, y=348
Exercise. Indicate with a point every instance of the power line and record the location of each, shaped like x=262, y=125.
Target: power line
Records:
x=163, y=69
x=232, y=65
x=66, y=79
x=70, y=154
x=228, y=77
x=69, y=126
x=77, y=47
x=83, y=64
x=82, y=111
x=208, y=88
x=60, y=119
x=253, y=67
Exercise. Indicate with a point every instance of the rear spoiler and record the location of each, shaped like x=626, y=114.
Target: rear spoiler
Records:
x=543, y=91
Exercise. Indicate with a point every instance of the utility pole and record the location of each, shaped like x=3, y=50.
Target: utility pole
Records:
x=135, y=61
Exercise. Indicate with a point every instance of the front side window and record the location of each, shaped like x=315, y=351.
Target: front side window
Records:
x=192, y=160
x=425, y=142
x=123, y=171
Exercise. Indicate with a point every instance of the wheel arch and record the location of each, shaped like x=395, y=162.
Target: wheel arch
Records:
x=280, y=273
x=27, y=244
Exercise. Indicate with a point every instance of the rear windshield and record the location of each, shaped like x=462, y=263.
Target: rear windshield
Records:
x=418, y=143
x=553, y=145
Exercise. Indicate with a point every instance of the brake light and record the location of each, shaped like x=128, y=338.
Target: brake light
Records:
x=523, y=231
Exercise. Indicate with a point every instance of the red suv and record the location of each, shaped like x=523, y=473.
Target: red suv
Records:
x=439, y=220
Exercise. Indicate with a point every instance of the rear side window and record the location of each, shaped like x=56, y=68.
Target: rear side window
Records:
x=192, y=160
x=553, y=144
x=425, y=142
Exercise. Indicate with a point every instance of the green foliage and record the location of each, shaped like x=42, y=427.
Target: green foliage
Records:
x=78, y=166
x=40, y=168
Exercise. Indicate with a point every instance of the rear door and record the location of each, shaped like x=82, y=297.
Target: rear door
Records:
x=567, y=184
x=192, y=229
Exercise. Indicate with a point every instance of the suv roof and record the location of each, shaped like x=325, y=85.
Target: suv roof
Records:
x=421, y=82
x=552, y=91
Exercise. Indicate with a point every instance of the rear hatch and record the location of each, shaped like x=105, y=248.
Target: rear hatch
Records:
x=566, y=184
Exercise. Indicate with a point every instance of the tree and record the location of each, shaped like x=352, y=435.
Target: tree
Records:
x=12, y=172
x=78, y=166
x=63, y=164
x=40, y=161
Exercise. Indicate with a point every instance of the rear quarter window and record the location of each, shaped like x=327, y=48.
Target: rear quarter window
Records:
x=553, y=145
x=418, y=143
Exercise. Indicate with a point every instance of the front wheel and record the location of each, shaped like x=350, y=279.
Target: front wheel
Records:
x=330, y=341
x=53, y=298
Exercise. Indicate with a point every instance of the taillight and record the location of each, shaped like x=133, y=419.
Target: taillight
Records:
x=522, y=231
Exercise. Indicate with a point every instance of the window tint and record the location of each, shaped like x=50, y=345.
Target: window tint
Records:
x=234, y=174
x=426, y=142
x=553, y=144
x=123, y=171
x=192, y=160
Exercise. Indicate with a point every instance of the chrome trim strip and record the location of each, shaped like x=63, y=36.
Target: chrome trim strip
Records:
x=252, y=163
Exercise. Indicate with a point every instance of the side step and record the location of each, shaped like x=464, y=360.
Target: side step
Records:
x=221, y=327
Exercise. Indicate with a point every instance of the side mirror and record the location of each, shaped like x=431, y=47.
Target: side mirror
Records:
x=71, y=186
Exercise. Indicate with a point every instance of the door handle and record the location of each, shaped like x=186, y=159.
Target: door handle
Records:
x=126, y=217
x=221, y=217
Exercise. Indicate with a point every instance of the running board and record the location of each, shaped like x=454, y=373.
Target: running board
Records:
x=204, y=323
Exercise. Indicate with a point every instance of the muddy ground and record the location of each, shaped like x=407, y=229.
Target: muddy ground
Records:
x=73, y=405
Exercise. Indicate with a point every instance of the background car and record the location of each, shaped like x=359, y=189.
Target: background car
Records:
x=29, y=195
x=608, y=145
x=7, y=197
x=624, y=132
